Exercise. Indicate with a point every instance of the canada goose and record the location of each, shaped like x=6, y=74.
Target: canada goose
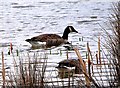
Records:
x=51, y=39
x=71, y=63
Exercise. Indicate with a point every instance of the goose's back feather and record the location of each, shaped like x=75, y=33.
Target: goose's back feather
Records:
x=69, y=62
x=46, y=37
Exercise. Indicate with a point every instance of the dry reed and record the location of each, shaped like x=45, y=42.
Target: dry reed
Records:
x=3, y=70
x=113, y=44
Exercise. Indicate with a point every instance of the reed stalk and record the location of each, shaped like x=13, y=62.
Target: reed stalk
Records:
x=89, y=78
x=96, y=58
x=112, y=45
x=83, y=67
x=89, y=61
x=99, y=53
x=88, y=49
x=11, y=47
x=67, y=54
x=116, y=44
x=113, y=41
x=3, y=70
x=28, y=75
x=86, y=78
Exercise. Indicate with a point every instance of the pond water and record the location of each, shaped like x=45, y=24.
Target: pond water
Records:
x=22, y=19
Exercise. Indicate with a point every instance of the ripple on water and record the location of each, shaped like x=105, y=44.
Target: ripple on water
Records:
x=4, y=44
x=26, y=6
x=2, y=30
x=14, y=3
x=87, y=20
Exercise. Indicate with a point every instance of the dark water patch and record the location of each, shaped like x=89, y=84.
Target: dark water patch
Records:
x=54, y=23
x=105, y=17
x=42, y=28
x=76, y=35
x=28, y=6
x=26, y=34
x=57, y=11
x=47, y=2
x=93, y=17
x=4, y=44
x=1, y=17
x=86, y=21
x=7, y=68
x=8, y=37
x=14, y=3
x=38, y=32
x=62, y=8
x=21, y=21
x=8, y=22
x=26, y=23
x=2, y=30
x=74, y=2
x=25, y=45
x=77, y=10
x=62, y=17
x=19, y=29
x=96, y=8
x=37, y=16
x=33, y=29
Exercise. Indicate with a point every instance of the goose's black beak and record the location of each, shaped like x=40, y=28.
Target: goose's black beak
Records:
x=76, y=31
x=73, y=30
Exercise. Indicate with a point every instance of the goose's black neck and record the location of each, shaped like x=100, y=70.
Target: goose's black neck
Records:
x=65, y=34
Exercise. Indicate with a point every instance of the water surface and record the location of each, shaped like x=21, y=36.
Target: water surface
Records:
x=22, y=19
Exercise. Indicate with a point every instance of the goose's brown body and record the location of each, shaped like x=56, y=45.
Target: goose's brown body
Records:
x=51, y=39
x=46, y=37
x=71, y=63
